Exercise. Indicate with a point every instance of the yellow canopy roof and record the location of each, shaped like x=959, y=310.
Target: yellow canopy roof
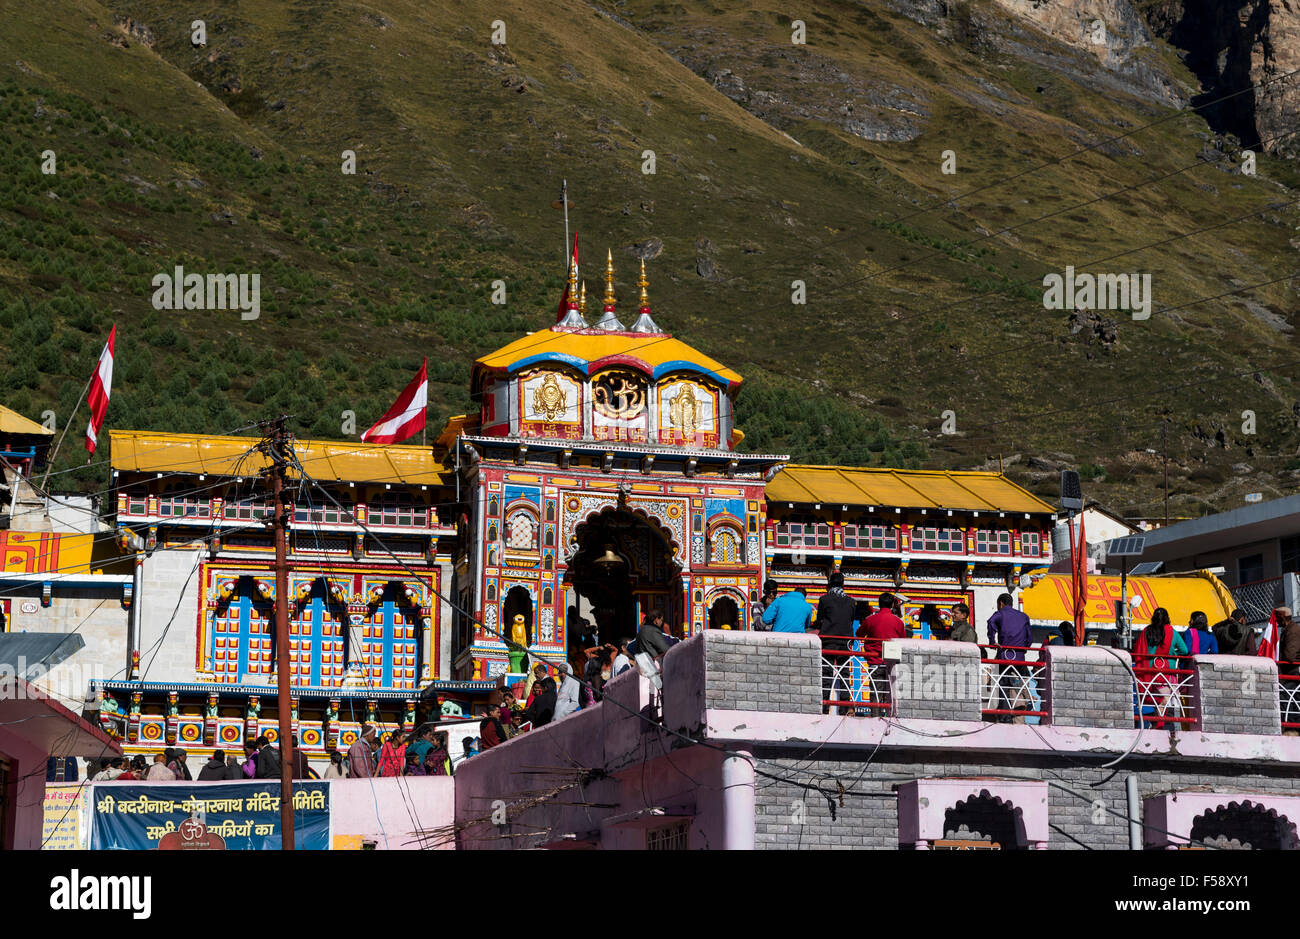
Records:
x=924, y=489
x=140, y=451
x=11, y=422
x=591, y=350
x=1048, y=599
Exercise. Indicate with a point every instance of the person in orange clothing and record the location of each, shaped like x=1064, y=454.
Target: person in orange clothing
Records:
x=392, y=755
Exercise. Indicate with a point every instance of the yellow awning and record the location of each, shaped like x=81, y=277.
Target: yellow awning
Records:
x=345, y=461
x=922, y=489
x=1048, y=600
x=11, y=422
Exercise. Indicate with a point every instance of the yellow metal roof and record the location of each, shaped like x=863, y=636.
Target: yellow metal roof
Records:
x=140, y=451
x=592, y=350
x=11, y=422
x=1048, y=599
x=923, y=489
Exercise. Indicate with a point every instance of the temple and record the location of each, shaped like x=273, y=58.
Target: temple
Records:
x=603, y=477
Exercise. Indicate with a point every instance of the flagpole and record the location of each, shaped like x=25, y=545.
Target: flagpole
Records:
x=49, y=464
x=564, y=197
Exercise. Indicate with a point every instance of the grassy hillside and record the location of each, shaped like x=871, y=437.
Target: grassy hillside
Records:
x=774, y=163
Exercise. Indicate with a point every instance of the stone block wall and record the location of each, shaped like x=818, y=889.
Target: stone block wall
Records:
x=1237, y=694
x=1089, y=686
x=934, y=679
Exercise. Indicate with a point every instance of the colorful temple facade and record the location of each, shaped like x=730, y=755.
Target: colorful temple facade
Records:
x=600, y=480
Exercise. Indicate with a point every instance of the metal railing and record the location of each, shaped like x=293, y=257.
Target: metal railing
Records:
x=1258, y=598
x=851, y=685
x=1164, y=692
x=1012, y=683
x=1288, y=694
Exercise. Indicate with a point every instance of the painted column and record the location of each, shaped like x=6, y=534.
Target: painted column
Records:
x=738, y=792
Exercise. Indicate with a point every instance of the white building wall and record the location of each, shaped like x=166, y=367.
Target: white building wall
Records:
x=167, y=654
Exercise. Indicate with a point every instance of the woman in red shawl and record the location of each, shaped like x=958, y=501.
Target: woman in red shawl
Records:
x=1154, y=659
x=392, y=757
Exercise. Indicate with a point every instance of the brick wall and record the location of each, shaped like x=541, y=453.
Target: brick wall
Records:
x=744, y=671
x=809, y=811
x=1089, y=686
x=1237, y=694
x=934, y=679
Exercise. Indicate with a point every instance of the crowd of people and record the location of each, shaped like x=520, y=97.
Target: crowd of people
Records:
x=849, y=627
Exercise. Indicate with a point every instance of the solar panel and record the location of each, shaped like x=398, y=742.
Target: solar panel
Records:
x=1128, y=546
x=1147, y=567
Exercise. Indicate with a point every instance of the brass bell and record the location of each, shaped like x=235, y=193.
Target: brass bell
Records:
x=609, y=559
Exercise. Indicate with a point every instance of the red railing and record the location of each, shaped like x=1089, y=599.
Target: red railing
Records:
x=1164, y=693
x=1288, y=693
x=852, y=685
x=1012, y=685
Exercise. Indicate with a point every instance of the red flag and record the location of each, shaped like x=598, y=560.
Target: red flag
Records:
x=1269, y=642
x=100, y=388
x=565, y=300
x=407, y=416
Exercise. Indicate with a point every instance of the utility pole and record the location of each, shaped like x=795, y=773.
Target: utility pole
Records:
x=1164, y=445
x=278, y=451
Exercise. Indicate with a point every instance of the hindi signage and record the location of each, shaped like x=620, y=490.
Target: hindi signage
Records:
x=206, y=816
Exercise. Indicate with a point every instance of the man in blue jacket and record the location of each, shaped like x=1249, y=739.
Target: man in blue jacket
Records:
x=789, y=613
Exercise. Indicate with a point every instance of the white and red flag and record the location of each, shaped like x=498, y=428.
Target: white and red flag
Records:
x=1270, y=643
x=101, y=385
x=407, y=416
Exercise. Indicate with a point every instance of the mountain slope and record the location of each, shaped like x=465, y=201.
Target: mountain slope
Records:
x=774, y=163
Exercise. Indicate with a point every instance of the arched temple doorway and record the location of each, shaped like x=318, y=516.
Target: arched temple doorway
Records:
x=518, y=601
x=624, y=566
x=724, y=613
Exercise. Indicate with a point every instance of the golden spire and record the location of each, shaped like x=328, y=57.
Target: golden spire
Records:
x=643, y=284
x=573, y=280
x=582, y=299
x=609, y=280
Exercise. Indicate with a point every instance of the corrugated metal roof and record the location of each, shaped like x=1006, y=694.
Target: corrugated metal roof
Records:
x=11, y=422
x=44, y=649
x=346, y=461
x=922, y=489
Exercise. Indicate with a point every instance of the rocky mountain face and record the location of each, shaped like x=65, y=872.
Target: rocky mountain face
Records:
x=1241, y=51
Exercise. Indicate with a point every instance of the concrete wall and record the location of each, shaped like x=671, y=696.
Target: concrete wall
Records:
x=27, y=812
x=95, y=613
x=164, y=575
x=403, y=813
x=865, y=815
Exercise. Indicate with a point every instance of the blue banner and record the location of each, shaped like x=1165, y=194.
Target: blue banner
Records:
x=235, y=816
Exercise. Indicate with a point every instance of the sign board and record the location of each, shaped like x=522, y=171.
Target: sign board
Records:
x=232, y=816
x=64, y=806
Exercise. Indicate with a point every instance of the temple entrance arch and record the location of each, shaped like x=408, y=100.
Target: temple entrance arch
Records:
x=517, y=601
x=624, y=566
x=724, y=613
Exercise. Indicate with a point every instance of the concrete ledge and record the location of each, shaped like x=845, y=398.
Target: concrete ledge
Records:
x=737, y=670
x=1237, y=694
x=1089, y=686
x=830, y=733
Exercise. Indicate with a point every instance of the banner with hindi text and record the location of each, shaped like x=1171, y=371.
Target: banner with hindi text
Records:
x=242, y=815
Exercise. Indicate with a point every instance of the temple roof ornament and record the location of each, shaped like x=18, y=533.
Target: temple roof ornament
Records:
x=573, y=318
x=644, y=323
x=609, y=321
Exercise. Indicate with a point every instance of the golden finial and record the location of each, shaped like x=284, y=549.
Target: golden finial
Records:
x=643, y=284
x=573, y=278
x=609, y=280
x=582, y=299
